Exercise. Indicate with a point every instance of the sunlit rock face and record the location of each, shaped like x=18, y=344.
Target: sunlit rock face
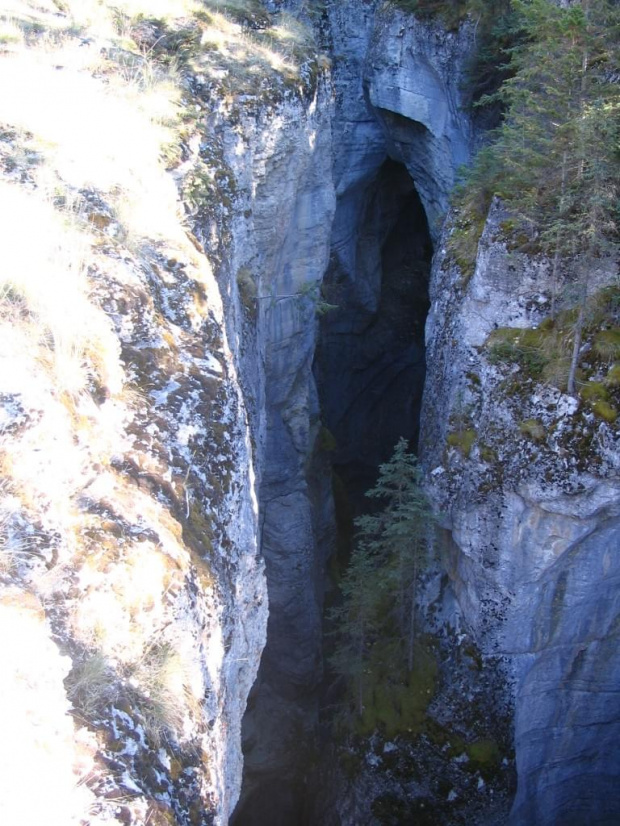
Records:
x=129, y=568
x=527, y=481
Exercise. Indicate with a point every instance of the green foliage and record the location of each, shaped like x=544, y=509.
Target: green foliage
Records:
x=554, y=160
x=593, y=391
x=613, y=376
x=472, y=200
x=523, y=347
x=488, y=455
x=376, y=621
x=544, y=353
x=396, y=699
x=484, y=756
x=498, y=32
x=605, y=411
x=607, y=343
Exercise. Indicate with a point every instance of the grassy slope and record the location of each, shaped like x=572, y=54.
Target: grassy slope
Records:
x=107, y=304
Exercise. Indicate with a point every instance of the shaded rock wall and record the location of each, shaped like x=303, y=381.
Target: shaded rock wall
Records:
x=399, y=136
x=568, y=710
x=530, y=514
x=413, y=76
x=285, y=204
x=305, y=158
x=370, y=362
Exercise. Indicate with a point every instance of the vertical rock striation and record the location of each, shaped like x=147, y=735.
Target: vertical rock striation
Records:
x=154, y=450
x=283, y=246
x=399, y=136
x=527, y=478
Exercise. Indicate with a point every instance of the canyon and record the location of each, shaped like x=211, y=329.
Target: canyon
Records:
x=263, y=356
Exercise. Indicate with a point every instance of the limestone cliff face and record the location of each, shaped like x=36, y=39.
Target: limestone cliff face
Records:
x=310, y=168
x=130, y=567
x=148, y=373
x=163, y=478
x=400, y=132
x=527, y=480
x=414, y=77
x=158, y=437
x=398, y=84
x=280, y=247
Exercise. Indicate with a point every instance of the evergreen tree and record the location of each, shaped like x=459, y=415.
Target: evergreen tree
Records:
x=555, y=162
x=379, y=588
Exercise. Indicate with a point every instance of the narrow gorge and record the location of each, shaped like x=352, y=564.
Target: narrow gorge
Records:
x=242, y=297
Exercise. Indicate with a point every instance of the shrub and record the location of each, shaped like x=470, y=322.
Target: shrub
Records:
x=613, y=376
x=91, y=685
x=593, y=391
x=607, y=343
x=158, y=683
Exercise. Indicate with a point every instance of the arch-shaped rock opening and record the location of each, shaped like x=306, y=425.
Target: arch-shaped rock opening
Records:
x=370, y=362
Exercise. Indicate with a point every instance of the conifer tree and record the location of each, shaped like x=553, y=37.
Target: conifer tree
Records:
x=555, y=162
x=379, y=588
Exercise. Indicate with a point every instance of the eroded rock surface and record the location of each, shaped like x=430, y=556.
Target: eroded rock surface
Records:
x=527, y=480
x=399, y=135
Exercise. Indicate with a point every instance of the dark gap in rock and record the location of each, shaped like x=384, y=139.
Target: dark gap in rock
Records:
x=370, y=361
x=370, y=371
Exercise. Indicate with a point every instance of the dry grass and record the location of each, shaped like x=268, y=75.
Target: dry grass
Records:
x=91, y=685
x=160, y=681
x=157, y=685
x=91, y=118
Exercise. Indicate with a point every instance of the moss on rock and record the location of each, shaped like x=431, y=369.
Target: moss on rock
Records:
x=605, y=411
x=462, y=440
x=532, y=428
x=396, y=701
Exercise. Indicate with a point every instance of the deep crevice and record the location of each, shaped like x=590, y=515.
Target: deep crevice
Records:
x=370, y=361
x=370, y=371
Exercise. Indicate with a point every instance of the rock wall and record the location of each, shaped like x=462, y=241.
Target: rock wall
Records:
x=527, y=480
x=129, y=521
x=161, y=438
x=156, y=383
x=398, y=94
x=282, y=246
x=399, y=135
x=304, y=192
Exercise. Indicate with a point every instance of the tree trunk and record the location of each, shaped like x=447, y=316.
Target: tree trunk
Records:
x=556, y=254
x=360, y=682
x=578, y=331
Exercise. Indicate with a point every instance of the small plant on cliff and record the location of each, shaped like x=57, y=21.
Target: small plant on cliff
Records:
x=379, y=589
